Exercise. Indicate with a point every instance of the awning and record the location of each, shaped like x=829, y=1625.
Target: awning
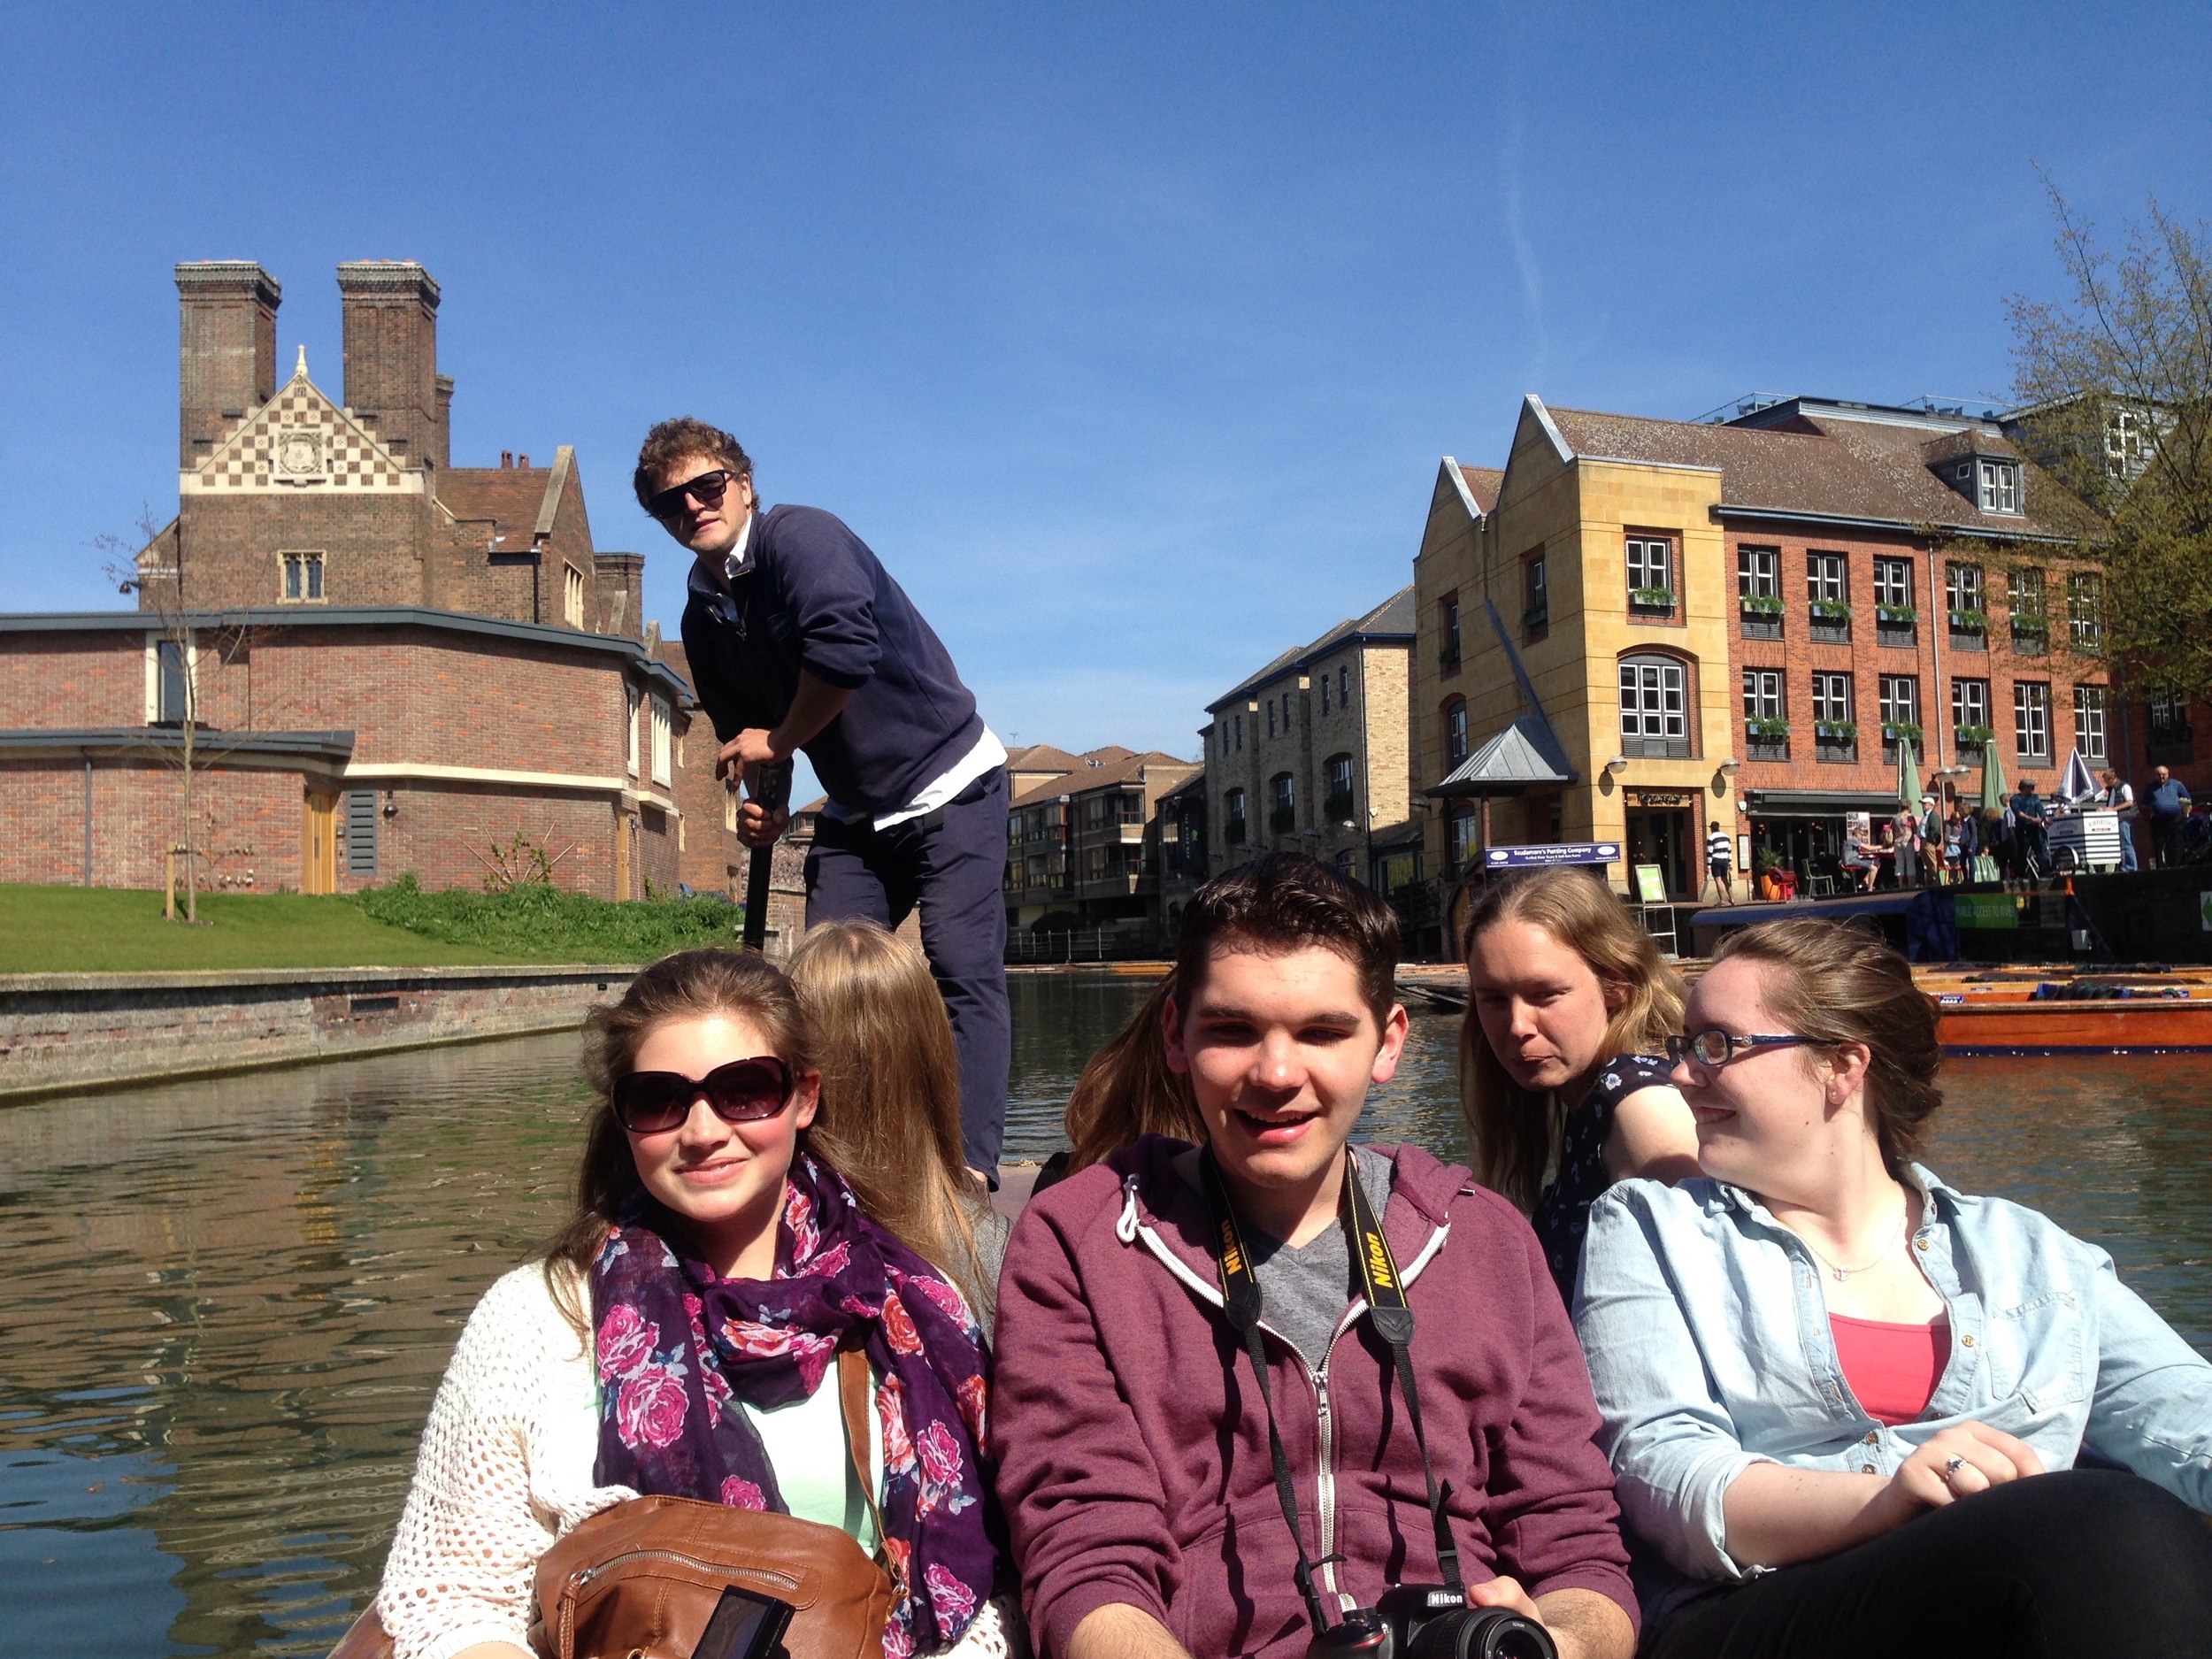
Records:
x=1522, y=756
x=1819, y=803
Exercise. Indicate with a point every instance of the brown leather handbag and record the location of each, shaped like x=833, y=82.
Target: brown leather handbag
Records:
x=640, y=1581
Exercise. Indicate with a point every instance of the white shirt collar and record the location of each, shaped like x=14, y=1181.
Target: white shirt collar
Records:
x=734, y=561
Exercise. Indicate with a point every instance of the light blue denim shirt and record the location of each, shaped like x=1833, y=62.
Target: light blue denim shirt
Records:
x=1709, y=1350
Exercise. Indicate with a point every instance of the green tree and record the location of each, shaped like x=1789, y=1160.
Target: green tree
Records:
x=2116, y=383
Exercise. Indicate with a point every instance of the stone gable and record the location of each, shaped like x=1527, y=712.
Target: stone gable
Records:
x=300, y=443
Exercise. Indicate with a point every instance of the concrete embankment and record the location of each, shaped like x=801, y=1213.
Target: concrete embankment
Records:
x=60, y=1031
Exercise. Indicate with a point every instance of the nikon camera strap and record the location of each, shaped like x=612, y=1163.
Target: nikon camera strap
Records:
x=1394, y=1323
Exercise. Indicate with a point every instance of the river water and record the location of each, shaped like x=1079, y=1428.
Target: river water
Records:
x=228, y=1303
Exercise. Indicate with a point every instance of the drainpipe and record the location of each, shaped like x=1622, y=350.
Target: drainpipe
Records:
x=88, y=818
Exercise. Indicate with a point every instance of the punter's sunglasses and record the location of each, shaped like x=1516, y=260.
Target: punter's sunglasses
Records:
x=742, y=1092
x=709, y=488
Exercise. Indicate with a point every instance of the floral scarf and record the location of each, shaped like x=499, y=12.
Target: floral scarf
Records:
x=675, y=1343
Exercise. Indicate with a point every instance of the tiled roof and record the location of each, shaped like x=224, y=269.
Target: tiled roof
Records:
x=509, y=496
x=1392, y=618
x=1835, y=468
x=1129, y=768
x=1483, y=483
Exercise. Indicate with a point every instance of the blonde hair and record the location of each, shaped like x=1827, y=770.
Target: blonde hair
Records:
x=1126, y=1090
x=890, y=1118
x=690, y=985
x=1515, y=1131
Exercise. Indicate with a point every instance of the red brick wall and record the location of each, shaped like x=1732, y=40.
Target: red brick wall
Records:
x=249, y=824
x=1866, y=661
x=372, y=547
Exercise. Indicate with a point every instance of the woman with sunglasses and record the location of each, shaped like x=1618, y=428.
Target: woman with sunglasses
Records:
x=1559, y=1067
x=1845, y=1404
x=677, y=1338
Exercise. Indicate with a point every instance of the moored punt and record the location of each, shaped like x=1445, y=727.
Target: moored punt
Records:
x=2063, y=1010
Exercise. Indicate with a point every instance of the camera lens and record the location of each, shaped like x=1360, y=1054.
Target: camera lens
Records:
x=1482, y=1632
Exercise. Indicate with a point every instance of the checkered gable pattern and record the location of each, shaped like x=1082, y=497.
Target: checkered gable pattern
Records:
x=300, y=442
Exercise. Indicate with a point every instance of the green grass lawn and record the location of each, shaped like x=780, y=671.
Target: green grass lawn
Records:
x=109, y=930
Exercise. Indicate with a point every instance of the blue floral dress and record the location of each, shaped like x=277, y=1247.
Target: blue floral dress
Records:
x=1563, y=1213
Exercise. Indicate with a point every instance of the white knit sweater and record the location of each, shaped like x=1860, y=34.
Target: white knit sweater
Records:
x=506, y=1468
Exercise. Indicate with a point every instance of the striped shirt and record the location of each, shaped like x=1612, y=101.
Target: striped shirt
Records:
x=1718, y=849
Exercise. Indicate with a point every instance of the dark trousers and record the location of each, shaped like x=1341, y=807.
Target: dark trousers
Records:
x=2081, y=1562
x=2162, y=833
x=952, y=862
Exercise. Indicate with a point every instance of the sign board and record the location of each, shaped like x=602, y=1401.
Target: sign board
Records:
x=1651, y=884
x=1990, y=911
x=2204, y=910
x=1663, y=797
x=1542, y=857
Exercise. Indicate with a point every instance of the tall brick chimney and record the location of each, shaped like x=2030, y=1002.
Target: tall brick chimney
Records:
x=228, y=356
x=391, y=344
x=442, y=440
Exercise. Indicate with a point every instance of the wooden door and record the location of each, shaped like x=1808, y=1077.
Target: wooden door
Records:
x=319, y=862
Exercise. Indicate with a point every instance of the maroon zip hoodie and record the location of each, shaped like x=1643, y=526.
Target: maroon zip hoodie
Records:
x=1132, y=1445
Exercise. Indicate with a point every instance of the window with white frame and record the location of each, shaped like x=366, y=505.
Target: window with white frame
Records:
x=1324, y=694
x=1455, y=734
x=303, y=581
x=1654, y=700
x=1893, y=583
x=1650, y=570
x=1832, y=698
x=1460, y=844
x=1900, y=703
x=663, y=746
x=1963, y=586
x=1271, y=717
x=2090, y=704
x=1970, y=708
x=1762, y=695
x=2169, y=719
x=1759, y=573
x=573, y=597
x=2024, y=592
x=629, y=705
x=1827, y=579
x=2085, y=608
x=2031, y=719
x=1344, y=684
x=172, y=681
x=2000, y=483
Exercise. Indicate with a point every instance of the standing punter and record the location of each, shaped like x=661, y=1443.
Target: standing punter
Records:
x=799, y=640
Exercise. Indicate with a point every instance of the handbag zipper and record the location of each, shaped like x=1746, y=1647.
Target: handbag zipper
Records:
x=584, y=1578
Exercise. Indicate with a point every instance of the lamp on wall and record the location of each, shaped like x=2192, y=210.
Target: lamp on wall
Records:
x=1617, y=765
x=1730, y=765
x=391, y=803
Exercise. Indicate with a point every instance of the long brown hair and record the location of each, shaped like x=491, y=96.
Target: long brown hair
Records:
x=1126, y=1090
x=1515, y=1131
x=690, y=985
x=1837, y=984
x=889, y=1119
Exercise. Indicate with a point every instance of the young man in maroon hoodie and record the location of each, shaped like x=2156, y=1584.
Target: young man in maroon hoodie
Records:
x=1131, y=1426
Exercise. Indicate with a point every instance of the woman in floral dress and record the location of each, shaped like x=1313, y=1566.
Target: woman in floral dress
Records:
x=677, y=1337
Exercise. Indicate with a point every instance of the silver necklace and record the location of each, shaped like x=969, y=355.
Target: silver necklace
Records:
x=1843, y=1273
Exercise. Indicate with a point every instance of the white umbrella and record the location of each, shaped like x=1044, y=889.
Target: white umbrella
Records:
x=2078, y=784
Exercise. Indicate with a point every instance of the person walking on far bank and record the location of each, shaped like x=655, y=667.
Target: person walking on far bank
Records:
x=2170, y=808
x=1720, y=858
x=2120, y=797
x=800, y=641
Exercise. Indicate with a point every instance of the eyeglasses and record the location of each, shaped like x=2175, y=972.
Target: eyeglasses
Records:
x=1714, y=1047
x=709, y=488
x=742, y=1092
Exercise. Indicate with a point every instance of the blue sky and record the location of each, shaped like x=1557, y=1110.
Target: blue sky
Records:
x=1130, y=338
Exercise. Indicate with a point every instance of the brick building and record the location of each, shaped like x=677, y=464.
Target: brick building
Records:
x=1085, y=838
x=1667, y=623
x=383, y=662
x=1308, y=754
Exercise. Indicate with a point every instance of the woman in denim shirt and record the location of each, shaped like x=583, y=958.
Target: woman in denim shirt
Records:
x=1832, y=1385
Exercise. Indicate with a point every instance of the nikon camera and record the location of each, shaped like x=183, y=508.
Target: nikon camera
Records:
x=1419, y=1621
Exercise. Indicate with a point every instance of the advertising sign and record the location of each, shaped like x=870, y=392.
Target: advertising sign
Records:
x=1661, y=797
x=1985, y=910
x=1542, y=857
x=1651, y=884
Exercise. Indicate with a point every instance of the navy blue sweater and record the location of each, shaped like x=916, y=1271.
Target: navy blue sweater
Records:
x=811, y=596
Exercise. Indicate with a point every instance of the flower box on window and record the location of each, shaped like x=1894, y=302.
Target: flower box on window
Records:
x=2032, y=623
x=1836, y=731
x=1536, y=617
x=1761, y=604
x=1831, y=610
x=1969, y=621
x=1973, y=736
x=1449, y=657
x=1896, y=616
x=1651, y=598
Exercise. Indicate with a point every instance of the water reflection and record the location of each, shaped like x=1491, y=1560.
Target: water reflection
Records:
x=230, y=1301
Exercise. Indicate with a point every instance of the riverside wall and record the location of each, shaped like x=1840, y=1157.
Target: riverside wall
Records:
x=62, y=1032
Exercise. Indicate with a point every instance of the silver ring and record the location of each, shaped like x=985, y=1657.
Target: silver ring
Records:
x=1952, y=1468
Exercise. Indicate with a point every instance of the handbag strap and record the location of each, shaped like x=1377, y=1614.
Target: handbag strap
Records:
x=854, y=1392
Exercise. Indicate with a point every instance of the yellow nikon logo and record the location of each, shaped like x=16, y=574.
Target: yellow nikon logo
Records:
x=1232, y=1257
x=1379, y=1262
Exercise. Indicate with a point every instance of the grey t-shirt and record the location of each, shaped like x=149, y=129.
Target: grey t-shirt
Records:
x=1304, y=1292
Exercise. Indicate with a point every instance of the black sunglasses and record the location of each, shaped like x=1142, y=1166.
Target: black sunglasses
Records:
x=742, y=1092
x=709, y=488
x=1714, y=1047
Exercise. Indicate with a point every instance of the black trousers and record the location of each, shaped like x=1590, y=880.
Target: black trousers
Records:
x=952, y=864
x=2084, y=1561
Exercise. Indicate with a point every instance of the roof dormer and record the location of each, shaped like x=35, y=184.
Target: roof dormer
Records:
x=1983, y=467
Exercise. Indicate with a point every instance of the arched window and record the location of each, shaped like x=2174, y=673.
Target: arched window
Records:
x=1282, y=816
x=1654, y=707
x=1454, y=732
x=1337, y=803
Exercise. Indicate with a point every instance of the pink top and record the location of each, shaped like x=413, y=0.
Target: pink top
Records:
x=1893, y=1369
